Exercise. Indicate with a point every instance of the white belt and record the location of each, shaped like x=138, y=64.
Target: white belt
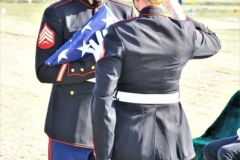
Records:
x=147, y=98
x=92, y=80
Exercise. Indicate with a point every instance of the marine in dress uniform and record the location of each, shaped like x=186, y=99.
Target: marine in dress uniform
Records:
x=68, y=118
x=136, y=113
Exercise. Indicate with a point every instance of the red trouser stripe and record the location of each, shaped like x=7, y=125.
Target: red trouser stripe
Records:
x=50, y=149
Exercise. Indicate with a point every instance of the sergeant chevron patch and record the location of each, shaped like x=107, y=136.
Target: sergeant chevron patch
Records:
x=46, y=37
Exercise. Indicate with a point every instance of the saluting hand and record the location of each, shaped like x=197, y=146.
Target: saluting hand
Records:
x=174, y=9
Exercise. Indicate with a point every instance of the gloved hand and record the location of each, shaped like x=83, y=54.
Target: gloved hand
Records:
x=238, y=133
x=96, y=48
x=174, y=9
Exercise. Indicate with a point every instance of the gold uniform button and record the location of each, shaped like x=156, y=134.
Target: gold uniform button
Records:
x=72, y=92
x=81, y=69
x=72, y=70
x=93, y=67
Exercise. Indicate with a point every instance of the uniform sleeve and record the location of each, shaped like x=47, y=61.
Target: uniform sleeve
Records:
x=108, y=71
x=206, y=42
x=50, y=39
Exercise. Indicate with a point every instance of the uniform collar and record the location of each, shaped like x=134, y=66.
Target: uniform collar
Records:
x=151, y=10
x=93, y=3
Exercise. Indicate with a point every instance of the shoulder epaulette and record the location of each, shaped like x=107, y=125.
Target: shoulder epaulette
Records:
x=125, y=20
x=61, y=3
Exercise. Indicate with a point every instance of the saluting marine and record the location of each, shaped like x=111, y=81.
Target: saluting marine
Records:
x=68, y=119
x=136, y=113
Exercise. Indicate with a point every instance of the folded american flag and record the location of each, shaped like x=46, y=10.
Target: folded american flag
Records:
x=80, y=45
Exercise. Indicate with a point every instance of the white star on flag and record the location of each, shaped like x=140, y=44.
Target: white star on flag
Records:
x=86, y=27
x=107, y=20
x=84, y=48
x=62, y=55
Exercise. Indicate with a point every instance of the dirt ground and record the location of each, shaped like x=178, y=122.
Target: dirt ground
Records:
x=206, y=87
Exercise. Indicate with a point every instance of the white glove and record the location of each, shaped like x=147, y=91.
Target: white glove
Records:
x=95, y=48
x=238, y=133
x=174, y=9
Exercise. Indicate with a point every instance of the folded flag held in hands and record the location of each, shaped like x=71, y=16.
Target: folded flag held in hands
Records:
x=87, y=40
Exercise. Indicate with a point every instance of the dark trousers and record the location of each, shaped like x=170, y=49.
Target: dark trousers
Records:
x=223, y=149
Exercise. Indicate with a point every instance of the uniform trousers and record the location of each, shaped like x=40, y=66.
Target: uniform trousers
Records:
x=63, y=151
x=223, y=149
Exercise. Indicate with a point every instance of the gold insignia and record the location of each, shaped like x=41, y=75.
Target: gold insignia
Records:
x=72, y=70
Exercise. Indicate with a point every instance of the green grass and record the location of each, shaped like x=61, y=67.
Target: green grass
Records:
x=25, y=11
x=217, y=11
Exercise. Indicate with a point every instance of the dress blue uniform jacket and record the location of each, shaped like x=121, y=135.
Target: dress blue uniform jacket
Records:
x=68, y=116
x=146, y=55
